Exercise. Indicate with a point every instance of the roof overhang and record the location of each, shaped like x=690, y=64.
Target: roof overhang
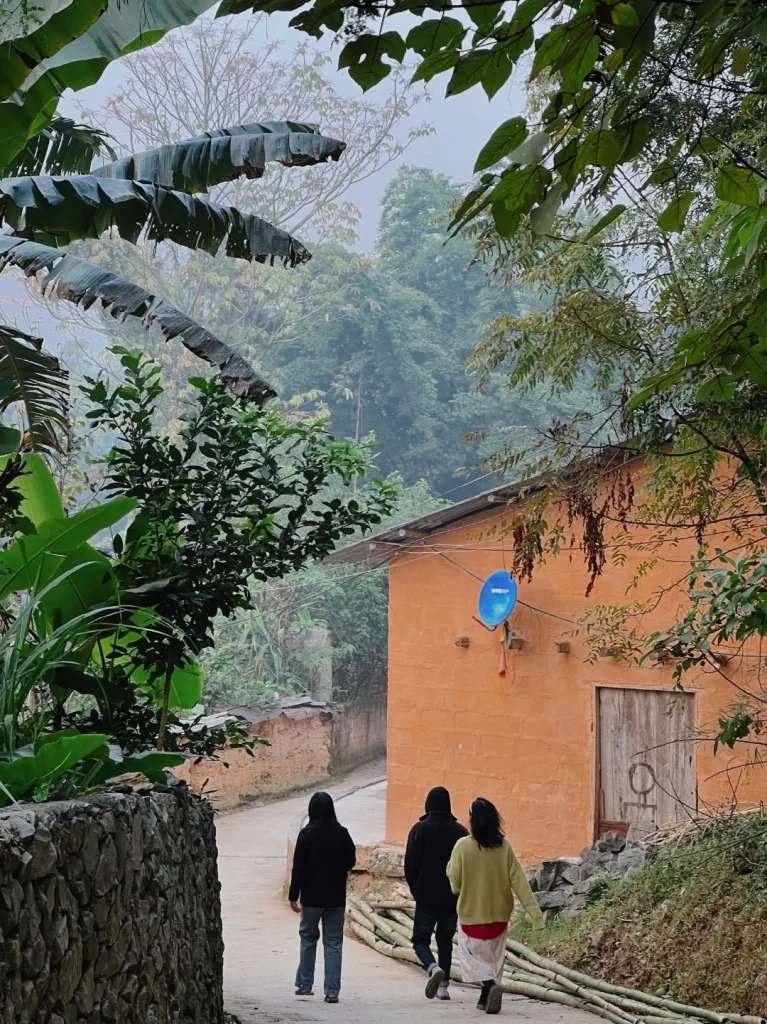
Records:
x=381, y=548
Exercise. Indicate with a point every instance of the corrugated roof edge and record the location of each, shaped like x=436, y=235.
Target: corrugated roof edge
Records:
x=380, y=548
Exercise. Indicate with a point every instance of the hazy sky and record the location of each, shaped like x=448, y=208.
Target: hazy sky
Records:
x=462, y=124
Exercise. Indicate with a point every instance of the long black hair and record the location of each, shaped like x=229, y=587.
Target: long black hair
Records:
x=322, y=810
x=485, y=823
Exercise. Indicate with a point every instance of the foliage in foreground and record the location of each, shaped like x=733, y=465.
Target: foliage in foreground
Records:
x=108, y=646
x=241, y=493
x=692, y=925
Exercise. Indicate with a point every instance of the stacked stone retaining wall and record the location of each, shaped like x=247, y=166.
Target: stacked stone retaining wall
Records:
x=110, y=911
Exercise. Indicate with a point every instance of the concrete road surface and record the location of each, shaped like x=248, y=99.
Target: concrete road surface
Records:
x=260, y=930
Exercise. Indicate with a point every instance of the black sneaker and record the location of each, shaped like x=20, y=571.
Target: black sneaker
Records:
x=494, y=999
x=304, y=992
x=436, y=978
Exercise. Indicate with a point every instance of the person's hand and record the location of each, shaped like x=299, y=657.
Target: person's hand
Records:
x=295, y=906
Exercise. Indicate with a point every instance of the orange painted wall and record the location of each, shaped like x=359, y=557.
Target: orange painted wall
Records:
x=527, y=740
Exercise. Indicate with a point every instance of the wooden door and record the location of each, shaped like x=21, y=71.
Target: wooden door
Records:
x=646, y=758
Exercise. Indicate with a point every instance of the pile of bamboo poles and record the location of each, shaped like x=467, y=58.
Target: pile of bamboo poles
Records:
x=387, y=927
x=694, y=828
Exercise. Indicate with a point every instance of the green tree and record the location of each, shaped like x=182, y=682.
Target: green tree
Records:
x=389, y=355
x=624, y=321
x=240, y=493
x=258, y=655
x=672, y=91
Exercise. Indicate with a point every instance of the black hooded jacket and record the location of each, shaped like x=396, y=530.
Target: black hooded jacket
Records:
x=429, y=846
x=323, y=857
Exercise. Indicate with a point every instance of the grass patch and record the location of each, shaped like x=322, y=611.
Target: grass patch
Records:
x=692, y=925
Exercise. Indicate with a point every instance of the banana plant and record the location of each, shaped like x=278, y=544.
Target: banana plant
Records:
x=51, y=196
x=157, y=194
x=32, y=381
x=52, y=559
x=35, y=762
x=54, y=45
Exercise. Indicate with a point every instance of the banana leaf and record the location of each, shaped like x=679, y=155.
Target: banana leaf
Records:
x=30, y=32
x=22, y=775
x=41, y=498
x=185, y=688
x=196, y=164
x=84, y=284
x=64, y=147
x=91, y=584
x=34, y=379
x=151, y=763
x=33, y=560
x=59, y=210
x=123, y=27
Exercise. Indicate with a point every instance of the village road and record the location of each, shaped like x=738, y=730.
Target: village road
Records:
x=260, y=930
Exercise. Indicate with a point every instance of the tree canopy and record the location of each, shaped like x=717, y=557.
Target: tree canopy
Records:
x=622, y=86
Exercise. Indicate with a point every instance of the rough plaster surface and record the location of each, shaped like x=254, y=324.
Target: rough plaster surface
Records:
x=306, y=746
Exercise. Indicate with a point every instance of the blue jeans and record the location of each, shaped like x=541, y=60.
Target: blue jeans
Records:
x=332, y=942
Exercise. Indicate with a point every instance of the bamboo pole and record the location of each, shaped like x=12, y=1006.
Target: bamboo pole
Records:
x=681, y=1009
x=631, y=1008
x=529, y=974
x=554, y=996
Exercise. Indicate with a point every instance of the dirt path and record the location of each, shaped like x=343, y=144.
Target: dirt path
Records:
x=260, y=930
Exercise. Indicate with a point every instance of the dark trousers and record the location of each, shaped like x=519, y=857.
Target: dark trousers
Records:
x=426, y=921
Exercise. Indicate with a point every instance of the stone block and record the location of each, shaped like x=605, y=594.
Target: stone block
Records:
x=43, y=856
x=386, y=861
x=553, y=900
x=106, y=869
x=632, y=858
x=575, y=906
x=611, y=842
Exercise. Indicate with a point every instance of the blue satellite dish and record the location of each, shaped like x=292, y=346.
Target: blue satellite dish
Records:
x=497, y=598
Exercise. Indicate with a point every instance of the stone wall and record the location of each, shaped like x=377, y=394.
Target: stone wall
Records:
x=566, y=886
x=307, y=745
x=110, y=911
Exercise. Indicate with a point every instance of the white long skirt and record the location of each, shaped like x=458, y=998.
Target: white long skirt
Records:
x=481, y=959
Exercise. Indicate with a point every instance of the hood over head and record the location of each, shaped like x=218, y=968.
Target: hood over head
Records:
x=438, y=801
x=321, y=809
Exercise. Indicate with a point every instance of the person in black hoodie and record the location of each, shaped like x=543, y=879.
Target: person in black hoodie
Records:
x=429, y=846
x=323, y=857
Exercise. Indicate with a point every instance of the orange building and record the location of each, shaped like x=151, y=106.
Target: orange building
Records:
x=563, y=745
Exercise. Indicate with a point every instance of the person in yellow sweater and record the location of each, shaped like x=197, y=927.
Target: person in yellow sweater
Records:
x=485, y=875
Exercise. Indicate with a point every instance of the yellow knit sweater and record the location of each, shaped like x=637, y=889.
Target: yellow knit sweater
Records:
x=486, y=882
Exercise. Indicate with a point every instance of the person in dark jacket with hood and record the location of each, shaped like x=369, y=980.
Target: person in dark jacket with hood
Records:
x=323, y=857
x=428, y=851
